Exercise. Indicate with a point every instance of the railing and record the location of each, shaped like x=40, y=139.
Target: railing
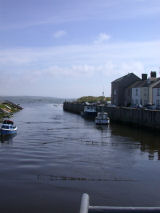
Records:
x=86, y=208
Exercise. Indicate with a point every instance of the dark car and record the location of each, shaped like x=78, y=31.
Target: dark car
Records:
x=149, y=106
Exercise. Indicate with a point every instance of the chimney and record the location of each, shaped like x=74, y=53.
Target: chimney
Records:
x=144, y=77
x=153, y=74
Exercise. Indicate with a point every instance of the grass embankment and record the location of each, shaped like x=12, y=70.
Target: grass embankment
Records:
x=7, y=110
x=93, y=99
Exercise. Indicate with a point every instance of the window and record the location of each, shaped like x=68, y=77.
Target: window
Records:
x=115, y=92
x=158, y=103
x=158, y=91
x=5, y=126
x=136, y=92
x=145, y=102
x=145, y=92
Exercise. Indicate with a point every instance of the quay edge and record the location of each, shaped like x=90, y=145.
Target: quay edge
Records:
x=144, y=118
x=73, y=107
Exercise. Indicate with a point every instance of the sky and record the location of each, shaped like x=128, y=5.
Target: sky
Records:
x=74, y=48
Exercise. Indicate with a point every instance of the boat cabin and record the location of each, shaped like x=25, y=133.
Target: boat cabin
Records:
x=8, y=122
x=7, y=126
x=102, y=115
x=90, y=108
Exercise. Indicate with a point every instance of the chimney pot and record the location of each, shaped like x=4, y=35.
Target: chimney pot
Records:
x=144, y=76
x=153, y=74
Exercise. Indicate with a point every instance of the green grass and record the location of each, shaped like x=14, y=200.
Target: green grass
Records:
x=12, y=110
x=93, y=99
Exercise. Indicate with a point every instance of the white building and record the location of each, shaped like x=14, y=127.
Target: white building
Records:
x=136, y=96
x=142, y=91
x=156, y=96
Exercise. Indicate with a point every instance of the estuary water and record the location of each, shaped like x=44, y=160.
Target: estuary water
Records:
x=56, y=156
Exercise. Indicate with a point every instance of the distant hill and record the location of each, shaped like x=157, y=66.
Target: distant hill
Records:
x=32, y=99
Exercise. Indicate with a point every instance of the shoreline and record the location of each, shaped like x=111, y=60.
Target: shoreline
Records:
x=8, y=108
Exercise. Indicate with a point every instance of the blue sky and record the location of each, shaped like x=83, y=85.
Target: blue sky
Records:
x=71, y=48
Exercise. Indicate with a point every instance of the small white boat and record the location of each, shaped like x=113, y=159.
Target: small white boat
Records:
x=102, y=118
x=8, y=128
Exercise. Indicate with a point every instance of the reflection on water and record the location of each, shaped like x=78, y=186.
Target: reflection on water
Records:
x=50, y=178
x=7, y=138
x=148, y=141
x=102, y=127
x=56, y=156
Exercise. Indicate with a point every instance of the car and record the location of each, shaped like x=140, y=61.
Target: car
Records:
x=149, y=106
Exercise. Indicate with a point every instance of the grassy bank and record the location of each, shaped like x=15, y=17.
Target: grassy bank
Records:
x=93, y=99
x=7, y=109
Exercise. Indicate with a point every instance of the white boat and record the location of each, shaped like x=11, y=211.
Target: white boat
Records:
x=102, y=118
x=8, y=128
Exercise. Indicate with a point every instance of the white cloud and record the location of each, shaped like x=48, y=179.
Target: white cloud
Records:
x=109, y=69
x=148, y=52
x=59, y=34
x=72, y=71
x=73, y=62
x=102, y=38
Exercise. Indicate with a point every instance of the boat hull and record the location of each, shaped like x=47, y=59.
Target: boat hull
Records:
x=89, y=115
x=7, y=132
x=102, y=122
x=8, y=128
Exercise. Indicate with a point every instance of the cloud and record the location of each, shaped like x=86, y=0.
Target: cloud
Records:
x=148, y=52
x=71, y=71
x=67, y=80
x=59, y=34
x=70, y=62
x=102, y=38
x=109, y=69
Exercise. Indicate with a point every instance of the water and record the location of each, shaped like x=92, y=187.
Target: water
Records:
x=56, y=156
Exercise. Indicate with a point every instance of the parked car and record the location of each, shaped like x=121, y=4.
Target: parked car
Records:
x=149, y=106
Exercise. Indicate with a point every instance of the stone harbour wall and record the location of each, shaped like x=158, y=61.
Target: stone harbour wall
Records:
x=138, y=117
x=132, y=116
x=73, y=107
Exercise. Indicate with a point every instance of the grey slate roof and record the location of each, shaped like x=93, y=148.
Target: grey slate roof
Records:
x=124, y=77
x=144, y=83
x=135, y=84
x=157, y=86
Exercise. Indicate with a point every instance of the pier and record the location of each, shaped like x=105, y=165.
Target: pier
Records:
x=138, y=117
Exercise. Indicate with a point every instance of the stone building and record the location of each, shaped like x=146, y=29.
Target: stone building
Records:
x=119, y=86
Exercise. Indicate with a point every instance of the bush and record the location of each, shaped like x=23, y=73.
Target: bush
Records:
x=93, y=99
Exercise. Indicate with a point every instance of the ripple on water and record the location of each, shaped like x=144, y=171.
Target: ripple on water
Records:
x=60, y=153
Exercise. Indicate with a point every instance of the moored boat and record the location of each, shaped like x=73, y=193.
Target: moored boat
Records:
x=102, y=118
x=8, y=128
x=89, y=112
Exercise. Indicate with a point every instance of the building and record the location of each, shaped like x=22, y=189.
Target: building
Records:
x=119, y=87
x=128, y=93
x=156, y=96
x=142, y=91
